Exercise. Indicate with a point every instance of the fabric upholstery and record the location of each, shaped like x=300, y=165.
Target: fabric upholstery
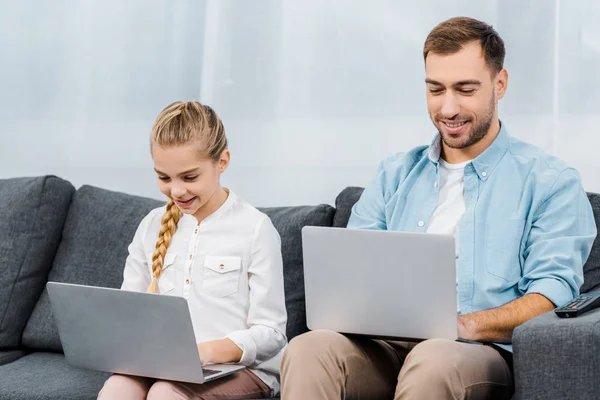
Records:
x=289, y=222
x=556, y=358
x=99, y=227
x=8, y=356
x=32, y=215
x=591, y=269
x=343, y=205
x=47, y=376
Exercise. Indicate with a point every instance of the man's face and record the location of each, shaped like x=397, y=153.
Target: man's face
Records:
x=462, y=95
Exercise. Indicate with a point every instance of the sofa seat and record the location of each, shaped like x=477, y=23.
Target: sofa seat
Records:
x=47, y=376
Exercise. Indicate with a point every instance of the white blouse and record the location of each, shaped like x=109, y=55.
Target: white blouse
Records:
x=229, y=268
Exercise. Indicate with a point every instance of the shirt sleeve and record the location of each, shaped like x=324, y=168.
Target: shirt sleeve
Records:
x=369, y=210
x=267, y=316
x=136, y=275
x=560, y=240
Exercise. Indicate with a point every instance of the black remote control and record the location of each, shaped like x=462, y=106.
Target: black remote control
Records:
x=580, y=304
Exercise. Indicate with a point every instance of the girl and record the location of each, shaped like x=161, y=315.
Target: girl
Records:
x=217, y=251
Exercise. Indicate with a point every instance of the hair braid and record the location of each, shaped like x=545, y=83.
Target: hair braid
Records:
x=167, y=230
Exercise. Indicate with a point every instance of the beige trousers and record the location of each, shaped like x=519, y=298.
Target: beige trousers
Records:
x=241, y=385
x=328, y=365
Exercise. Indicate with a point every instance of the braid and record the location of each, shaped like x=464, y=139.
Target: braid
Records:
x=167, y=230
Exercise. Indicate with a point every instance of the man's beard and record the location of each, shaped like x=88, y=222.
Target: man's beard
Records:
x=478, y=132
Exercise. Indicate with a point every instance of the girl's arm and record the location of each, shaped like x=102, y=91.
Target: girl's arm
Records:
x=136, y=275
x=219, y=352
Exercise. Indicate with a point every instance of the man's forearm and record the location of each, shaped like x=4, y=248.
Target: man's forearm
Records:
x=497, y=324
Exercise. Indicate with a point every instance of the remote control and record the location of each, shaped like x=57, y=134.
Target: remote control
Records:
x=580, y=304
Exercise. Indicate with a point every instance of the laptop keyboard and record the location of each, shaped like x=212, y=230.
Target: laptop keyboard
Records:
x=209, y=372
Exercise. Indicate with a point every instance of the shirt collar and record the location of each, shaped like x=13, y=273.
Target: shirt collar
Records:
x=486, y=162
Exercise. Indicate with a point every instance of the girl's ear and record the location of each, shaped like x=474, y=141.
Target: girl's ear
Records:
x=224, y=160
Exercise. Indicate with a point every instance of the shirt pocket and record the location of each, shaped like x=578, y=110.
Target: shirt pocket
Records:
x=166, y=280
x=221, y=275
x=503, y=249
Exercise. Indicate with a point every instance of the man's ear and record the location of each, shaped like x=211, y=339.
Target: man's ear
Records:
x=501, y=83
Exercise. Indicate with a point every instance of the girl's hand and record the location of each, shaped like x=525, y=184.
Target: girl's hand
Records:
x=219, y=352
x=205, y=353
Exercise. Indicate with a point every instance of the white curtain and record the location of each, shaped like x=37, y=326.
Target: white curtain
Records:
x=313, y=93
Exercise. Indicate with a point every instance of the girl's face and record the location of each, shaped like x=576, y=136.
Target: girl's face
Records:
x=187, y=177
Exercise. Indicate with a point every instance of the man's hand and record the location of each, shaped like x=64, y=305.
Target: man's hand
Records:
x=467, y=327
x=497, y=324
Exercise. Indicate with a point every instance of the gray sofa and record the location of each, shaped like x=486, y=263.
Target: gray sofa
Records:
x=50, y=231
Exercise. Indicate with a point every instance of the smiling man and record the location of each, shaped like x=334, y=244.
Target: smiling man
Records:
x=523, y=227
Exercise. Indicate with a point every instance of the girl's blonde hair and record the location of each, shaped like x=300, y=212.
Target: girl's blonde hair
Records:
x=179, y=124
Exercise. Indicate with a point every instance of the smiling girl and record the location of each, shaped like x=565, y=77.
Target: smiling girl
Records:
x=212, y=248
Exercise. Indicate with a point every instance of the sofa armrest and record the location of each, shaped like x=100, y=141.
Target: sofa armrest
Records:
x=558, y=358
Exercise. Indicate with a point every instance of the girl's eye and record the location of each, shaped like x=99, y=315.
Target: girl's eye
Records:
x=163, y=178
x=190, y=178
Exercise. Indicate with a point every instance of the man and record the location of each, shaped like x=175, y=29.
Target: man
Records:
x=522, y=222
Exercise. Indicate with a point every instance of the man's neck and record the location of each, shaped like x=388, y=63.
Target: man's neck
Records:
x=456, y=156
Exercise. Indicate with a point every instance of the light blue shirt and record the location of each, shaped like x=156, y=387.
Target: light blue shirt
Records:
x=528, y=225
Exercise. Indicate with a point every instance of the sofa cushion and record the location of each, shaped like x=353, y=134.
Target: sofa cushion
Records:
x=9, y=356
x=99, y=227
x=47, y=376
x=289, y=222
x=32, y=215
x=343, y=205
x=591, y=269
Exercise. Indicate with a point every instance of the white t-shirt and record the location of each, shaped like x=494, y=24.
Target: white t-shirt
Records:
x=451, y=204
x=230, y=270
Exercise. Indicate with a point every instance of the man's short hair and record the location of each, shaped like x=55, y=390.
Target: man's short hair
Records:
x=450, y=36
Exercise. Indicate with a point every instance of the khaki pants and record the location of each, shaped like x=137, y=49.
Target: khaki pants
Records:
x=328, y=365
x=241, y=385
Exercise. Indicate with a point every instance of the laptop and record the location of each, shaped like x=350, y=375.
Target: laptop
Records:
x=130, y=333
x=383, y=284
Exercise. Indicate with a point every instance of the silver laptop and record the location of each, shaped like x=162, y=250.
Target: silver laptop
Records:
x=380, y=283
x=129, y=333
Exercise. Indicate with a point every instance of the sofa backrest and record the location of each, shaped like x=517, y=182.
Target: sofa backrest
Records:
x=343, y=205
x=591, y=269
x=32, y=215
x=101, y=224
x=289, y=222
x=99, y=227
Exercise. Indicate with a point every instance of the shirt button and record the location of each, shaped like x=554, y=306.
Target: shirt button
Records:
x=190, y=256
x=221, y=266
x=421, y=223
x=187, y=281
x=484, y=174
x=196, y=231
x=435, y=185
